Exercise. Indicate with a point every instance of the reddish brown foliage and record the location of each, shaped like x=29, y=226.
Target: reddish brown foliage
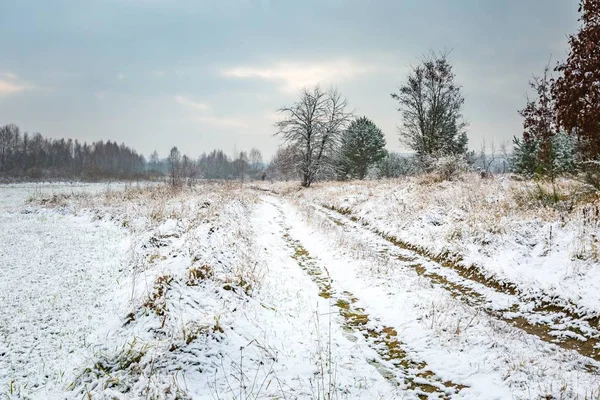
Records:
x=577, y=91
x=539, y=121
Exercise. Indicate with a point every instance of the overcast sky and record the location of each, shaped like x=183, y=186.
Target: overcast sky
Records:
x=204, y=75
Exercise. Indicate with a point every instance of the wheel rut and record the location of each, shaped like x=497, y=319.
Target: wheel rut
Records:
x=394, y=362
x=550, y=322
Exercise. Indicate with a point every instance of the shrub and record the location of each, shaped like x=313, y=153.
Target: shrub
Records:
x=446, y=168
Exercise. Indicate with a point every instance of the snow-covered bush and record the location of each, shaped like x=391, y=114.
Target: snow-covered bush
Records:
x=445, y=168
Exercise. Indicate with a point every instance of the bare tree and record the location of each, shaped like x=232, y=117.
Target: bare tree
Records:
x=215, y=165
x=174, y=161
x=154, y=162
x=505, y=153
x=9, y=135
x=313, y=127
x=284, y=164
x=189, y=169
x=256, y=162
x=35, y=156
x=487, y=159
x=240, y=165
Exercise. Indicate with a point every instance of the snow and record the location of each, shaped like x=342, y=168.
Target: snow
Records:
x=224, y=292
x=545, y=252
x=292, y=321
x=481, y=355
x=57, y=274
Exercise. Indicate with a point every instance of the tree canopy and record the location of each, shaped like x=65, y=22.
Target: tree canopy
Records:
x=431, y=107
x=362, y=146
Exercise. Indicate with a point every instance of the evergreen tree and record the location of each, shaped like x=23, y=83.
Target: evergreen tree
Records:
x=362, y=146
x=564, y=147
x=551, y=159
x=524, y=157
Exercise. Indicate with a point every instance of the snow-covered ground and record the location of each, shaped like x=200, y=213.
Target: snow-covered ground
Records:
x=500, y=226
x=57, y=275
x=458, y=342
x=14, y=196
x=225, y=292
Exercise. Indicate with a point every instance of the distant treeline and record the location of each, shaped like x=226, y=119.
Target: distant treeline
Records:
x=33, y=156
x=214, y=165
x=25, y=156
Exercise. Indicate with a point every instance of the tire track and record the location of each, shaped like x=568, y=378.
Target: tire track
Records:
x=548, y=321
x=393, y=363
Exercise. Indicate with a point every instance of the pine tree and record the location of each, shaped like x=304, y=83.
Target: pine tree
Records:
x=362, y=146
x=577, y=91
x=564, y=148
x=524, y=157
x=559, y=155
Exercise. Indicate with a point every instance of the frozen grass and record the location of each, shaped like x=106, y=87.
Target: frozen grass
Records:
x=191, y=251
x=215, y=305
x=545, y=240
x=57, y=275
x=182, y=244
x=224, y=292
x=454, y=340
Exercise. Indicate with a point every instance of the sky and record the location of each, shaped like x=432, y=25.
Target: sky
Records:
x=211, y=74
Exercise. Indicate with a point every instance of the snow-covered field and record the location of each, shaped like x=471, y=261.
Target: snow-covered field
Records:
x=16, y=195
x=57, y=275
x=341, y=291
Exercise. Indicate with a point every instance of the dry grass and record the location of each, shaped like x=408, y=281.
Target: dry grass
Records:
x=468, y=210
x=157, y=301
x=199, y=273
x=185, y=243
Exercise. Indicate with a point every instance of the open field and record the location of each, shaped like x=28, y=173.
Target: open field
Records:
x=400, y=289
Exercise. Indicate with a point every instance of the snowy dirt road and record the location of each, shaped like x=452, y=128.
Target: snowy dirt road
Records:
x=415, y=328
x=562, y=324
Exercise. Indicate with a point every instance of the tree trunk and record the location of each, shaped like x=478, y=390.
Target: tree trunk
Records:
x=306, y=179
